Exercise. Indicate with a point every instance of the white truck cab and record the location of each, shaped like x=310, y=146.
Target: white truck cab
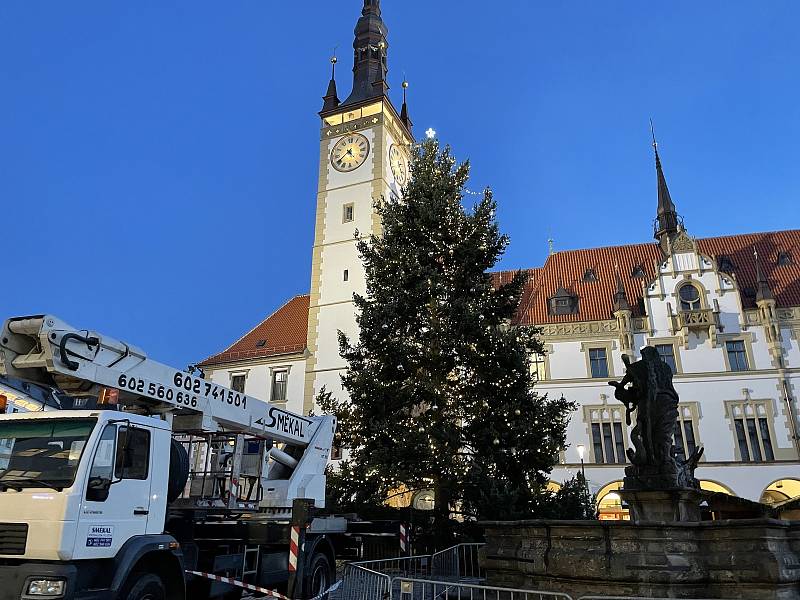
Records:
x=77, y=485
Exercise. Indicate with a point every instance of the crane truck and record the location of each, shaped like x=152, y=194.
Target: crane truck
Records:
x=151, y=483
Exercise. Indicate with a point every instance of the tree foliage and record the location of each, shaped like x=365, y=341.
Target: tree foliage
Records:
x=441, y=394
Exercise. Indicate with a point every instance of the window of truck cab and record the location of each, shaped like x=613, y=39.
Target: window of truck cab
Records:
x=42, y=452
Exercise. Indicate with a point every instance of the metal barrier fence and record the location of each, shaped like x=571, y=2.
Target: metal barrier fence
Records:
x=451, y=574
x=429, y=589
x=360, y=583
x=458, y=561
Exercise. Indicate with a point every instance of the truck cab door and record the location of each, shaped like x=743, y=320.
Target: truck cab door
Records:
x=116, y=495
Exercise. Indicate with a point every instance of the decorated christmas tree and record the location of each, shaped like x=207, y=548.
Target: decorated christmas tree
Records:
x=441, y=393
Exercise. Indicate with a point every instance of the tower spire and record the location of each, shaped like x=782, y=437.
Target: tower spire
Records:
x=369, y=55
x=763, y=291
x=666, y=223
x=404, y=110
x=331, y=99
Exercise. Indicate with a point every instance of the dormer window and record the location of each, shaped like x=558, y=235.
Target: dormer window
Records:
x=724, y=263
x=637, y=272
x=589, y=275
x=784, y=259
x=563, y=302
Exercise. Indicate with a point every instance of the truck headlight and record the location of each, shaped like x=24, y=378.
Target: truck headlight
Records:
x=46, y=587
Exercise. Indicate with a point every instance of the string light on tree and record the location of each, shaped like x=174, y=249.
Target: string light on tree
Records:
x=440, y=390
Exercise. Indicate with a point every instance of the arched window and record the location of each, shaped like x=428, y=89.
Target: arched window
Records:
x=781, y=491
x=609, y=503
x=713, y=486
x=689, y=297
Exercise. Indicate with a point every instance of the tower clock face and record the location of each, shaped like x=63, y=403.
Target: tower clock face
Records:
x=397, y=161
x=350, y=152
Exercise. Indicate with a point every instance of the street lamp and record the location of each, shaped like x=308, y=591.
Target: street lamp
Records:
x=581, y=451
x=584, y=484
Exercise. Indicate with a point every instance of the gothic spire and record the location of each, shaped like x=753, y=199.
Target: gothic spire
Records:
x=331, y=99
x=667, y=222
x=620, y=299
x=404, y=110
x=763, y=291
x=369, y=57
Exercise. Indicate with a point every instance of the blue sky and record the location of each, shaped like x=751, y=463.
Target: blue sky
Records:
x=158, y=159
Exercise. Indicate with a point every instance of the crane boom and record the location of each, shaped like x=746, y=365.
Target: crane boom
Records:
x=44, y=349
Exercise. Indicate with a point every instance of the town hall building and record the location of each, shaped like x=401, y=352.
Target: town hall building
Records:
x=723, y=312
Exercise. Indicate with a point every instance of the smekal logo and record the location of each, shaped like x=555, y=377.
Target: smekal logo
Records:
x=101, y=530
x=284, y=422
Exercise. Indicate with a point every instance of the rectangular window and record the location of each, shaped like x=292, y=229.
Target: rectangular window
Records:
x=347, y=213
x=688, y=430
x=737, y=357
x=608, y=442
x=679, y=439
x=753, y=437
x=346, y=275
x=619, y=443
x=279, y=380
x=742, y=440
x=538, y=370
x=133, y=453
x=598, y=362
x=667, y=354
x=237, y=383
x=766, y=440
x=684, y=438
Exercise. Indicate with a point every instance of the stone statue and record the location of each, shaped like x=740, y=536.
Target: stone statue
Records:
x=655, y=463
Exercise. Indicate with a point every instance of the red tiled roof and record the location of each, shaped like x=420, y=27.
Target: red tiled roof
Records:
x=568, y=267
x=283, y=332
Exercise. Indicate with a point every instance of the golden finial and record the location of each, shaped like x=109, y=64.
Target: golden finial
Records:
x=334, y=60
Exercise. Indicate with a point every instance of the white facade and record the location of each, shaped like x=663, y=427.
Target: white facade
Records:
x=260, y=379
x=713, y=393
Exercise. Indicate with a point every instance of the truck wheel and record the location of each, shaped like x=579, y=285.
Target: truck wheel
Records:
x=178, y=470
x=145, y=587
x=319, y=576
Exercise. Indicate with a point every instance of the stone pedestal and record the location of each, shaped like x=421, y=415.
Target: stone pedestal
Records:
x=749, y=559
x=670, y=506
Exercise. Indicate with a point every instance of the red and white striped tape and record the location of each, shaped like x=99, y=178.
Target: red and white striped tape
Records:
x=255, y=588
x=294, y=547
x=241, y=584
x=403, y=538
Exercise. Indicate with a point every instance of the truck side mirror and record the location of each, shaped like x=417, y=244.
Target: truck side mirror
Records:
x=97, y=489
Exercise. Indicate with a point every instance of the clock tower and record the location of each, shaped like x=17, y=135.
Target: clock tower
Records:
x=364, y=148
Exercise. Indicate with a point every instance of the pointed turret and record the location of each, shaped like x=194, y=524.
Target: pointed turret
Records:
x=667, y=224
x=666, y=215
x=763, y=290
x=369, y=57
x=404, y=110
x=331, y=99
x=620, y=298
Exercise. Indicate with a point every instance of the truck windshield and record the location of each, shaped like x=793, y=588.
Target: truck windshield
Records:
x=41, y=452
